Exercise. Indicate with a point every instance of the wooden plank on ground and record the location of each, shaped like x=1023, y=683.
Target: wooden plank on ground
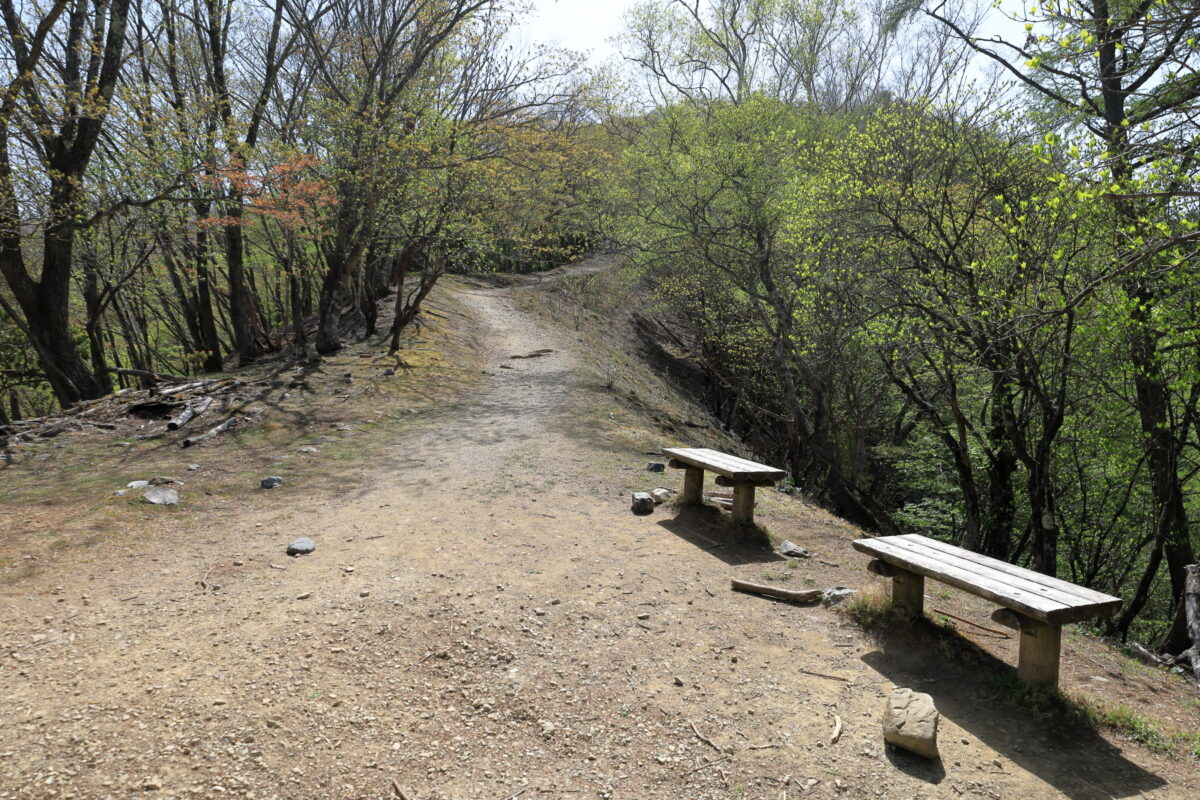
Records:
x=724, y=464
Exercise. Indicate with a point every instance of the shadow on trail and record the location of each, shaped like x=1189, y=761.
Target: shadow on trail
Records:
x=968, y=687
x=704, y=527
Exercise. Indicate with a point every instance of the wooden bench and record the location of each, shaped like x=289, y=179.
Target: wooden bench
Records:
x=744, y=476
x=1036, y=605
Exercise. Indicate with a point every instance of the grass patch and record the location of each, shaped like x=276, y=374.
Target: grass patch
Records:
x=872, y=609
x=1051, y=703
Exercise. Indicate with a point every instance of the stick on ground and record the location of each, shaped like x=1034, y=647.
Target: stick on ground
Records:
x=805, y=596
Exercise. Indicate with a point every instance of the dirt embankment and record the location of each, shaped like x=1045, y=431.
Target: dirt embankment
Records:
x=483, y=618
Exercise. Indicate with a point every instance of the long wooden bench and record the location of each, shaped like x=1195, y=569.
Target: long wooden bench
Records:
x=1036, y=605
x=744, y=476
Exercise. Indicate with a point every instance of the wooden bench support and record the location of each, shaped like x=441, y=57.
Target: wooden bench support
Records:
x=1037, y=662
x=743, y=503
x=908, y=590
x=693, y=486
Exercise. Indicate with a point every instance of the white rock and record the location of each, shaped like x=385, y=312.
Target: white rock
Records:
x=660, y=496
x=161, y=496
x=910, y=721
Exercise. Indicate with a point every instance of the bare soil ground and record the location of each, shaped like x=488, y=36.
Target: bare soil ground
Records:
x=483, y=617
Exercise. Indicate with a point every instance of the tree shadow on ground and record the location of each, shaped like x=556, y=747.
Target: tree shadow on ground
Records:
x=704, y=527
x=974, y=689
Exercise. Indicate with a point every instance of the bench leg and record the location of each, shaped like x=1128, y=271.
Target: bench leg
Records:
x=743, y=503
x=908, y=590
x=1037, y=664
x=693, y=486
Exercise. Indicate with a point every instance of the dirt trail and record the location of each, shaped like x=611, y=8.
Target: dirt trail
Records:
x=482, y=618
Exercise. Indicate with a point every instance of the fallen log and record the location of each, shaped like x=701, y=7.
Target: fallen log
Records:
x=189, y=412
x=805, y=596
x=232, y=422
x=183, y=387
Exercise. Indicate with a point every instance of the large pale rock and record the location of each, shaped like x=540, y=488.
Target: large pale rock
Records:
x=643, y=503
x=161, y=496
x=911, y=721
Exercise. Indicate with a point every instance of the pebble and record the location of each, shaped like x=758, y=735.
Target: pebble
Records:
x=678, y=681
x=654, y=466
x=304, y=595
x=301, y=547
x=643, y=615
x=193, y=467
x=137, y=484
x=365, y=593
x=271, y=482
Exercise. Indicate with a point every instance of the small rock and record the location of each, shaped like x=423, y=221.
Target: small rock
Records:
x=643, y=503
x=790, y=550
x=137, y=484
x=301, y=547
x=365, y=593
x=304, y=595
x=161, y=496
x=152, y=784
x=548, y=727
x=643, y=615
x=660, y=496
x=239, y=563
x=271, y=482
x=541, y=612
x=309, y=449
x=120, y=492
x=165, y=480
x=835, y=595
x=910, y=721
x=678, y=681
x=654, y=466
x=193, y=467
x=389, y=372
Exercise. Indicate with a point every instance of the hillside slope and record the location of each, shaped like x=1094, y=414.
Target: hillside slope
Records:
x=484, y=618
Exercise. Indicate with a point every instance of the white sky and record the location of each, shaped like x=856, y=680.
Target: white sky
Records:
x=583, y=25
x=588, y=25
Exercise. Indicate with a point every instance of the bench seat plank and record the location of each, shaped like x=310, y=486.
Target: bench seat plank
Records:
x=1027, y=592
x=1065, y=591
x=732, y=467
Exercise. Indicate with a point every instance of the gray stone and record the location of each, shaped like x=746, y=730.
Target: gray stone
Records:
x=836, y=594
x=654, y=466
x=389, y=372
x=301, y=547
x=161, y=496
x=910, y=721
x=193, y=467
x=137, y=484
x=165, y=480
x=643, y=503
x=271, y=482
x=791, y=550
x=660, y=496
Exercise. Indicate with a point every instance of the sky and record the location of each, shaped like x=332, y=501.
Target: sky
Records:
x=583, y=25
x=587, y=25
